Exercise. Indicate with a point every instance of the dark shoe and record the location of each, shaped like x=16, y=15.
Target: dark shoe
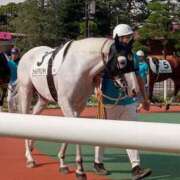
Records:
x=80, y=176
x=100, y=169
x=139, y=173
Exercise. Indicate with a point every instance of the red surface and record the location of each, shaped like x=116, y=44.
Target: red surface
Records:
x=12, y=162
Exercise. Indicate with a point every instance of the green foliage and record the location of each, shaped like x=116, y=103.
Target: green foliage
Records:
x=61, y=20
x=157, y=23
x=139, y=45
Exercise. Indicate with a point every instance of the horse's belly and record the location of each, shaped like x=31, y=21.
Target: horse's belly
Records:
x=41, y=86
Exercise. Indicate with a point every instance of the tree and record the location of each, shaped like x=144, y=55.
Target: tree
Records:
x=7, y=13
x=157, y=25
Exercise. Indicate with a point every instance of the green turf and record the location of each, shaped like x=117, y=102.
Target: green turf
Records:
x=165, y=166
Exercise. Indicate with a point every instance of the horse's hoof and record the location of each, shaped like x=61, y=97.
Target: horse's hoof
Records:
x=100, y=169
x=30, y=164
x=64, y=170
x=167, y=107
x=81, y=176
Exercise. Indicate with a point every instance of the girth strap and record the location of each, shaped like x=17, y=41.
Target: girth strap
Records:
x=50, y=79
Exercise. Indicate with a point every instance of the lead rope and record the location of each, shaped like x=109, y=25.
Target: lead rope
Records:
x=101, y=114
x=101, y=108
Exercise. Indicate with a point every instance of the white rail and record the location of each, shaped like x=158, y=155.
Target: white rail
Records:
x=124, y=134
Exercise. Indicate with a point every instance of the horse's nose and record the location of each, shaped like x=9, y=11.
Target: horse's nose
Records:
x=134, y=93
x=123, y=82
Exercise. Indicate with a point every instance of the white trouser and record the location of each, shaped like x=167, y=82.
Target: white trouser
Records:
x=120, y=112
x=11, y=98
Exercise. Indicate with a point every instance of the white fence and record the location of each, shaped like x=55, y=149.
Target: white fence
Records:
x=161, y=90
x=124, y=134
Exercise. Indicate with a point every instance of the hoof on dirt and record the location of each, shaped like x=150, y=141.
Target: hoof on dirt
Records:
x=80, y=176
x=167, y=107
x=64, y=170
x=30, y=164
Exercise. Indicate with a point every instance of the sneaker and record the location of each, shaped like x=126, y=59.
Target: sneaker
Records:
x=139, y=173
x=100, y=169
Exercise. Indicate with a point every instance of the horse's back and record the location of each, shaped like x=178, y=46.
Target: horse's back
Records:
x=32, y=54
x=89, y=45
x=27, y=61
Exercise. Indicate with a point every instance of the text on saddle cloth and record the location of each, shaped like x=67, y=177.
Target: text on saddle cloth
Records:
x=40, y=67
x=162, y=67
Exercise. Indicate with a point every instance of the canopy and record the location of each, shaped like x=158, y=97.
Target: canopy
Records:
x=5, y=36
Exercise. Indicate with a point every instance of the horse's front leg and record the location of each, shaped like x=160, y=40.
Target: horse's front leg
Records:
x=80, y=175
x=63, y=168
x=69, y=111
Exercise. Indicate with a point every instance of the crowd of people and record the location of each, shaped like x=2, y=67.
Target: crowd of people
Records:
x=11, y=55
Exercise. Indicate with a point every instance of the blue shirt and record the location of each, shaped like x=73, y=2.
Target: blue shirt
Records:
x=109, y=89
x=13, y=69
x=143, y=70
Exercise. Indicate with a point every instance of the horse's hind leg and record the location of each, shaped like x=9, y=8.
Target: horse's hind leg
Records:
x=4, y=90
x=173, y=98
x=70, y=112
x=25, y=96
x=37, y=109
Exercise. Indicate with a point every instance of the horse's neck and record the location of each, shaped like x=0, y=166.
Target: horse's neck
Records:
x=152, y=66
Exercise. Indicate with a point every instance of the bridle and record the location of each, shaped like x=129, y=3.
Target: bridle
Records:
x=115, y=80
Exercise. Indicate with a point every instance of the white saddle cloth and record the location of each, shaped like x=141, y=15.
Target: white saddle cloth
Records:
x=40, y=66
x=39, y=71
x=164, y=67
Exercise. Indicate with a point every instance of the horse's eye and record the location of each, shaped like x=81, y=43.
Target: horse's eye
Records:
x=122, y=62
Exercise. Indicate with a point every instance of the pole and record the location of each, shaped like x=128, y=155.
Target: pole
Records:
x=165, y=90
x=86, y=18
x=123, y=134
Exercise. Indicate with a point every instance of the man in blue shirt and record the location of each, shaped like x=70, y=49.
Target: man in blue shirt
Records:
x=143, y=66
x=120, y=107
x=13, y=62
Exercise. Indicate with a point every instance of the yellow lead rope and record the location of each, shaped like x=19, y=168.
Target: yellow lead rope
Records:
x=100, y=106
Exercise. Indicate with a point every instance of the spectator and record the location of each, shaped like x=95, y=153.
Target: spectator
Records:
x=13, y=62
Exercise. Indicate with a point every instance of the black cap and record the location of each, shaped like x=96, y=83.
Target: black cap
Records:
x=15, y=51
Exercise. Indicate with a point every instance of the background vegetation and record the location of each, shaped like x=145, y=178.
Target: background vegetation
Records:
x=51, y=22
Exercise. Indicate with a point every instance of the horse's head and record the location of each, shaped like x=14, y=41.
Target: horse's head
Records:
x=122, y=70
x=4, y=70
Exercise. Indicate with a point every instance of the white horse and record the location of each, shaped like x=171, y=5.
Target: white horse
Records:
x=67, y=76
